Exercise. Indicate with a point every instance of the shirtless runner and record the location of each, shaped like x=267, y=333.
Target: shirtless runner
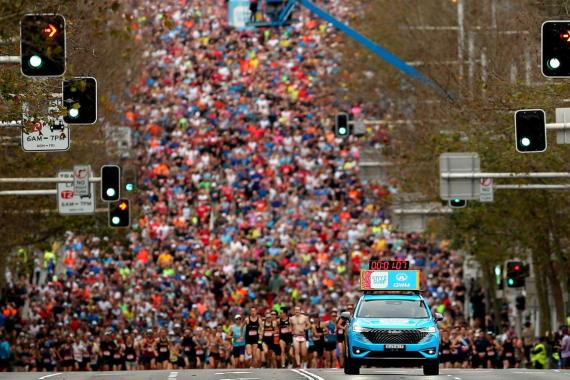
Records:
x=300, y=324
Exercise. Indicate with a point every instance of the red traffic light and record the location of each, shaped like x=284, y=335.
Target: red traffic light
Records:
x=50, y=30
x=517, y=267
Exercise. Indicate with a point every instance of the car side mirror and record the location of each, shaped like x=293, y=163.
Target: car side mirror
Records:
x=345, y=315
x=438, y=317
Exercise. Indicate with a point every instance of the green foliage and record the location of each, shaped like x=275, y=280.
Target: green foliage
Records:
x=96, y=31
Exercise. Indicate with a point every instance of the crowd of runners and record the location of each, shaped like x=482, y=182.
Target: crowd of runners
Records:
x=255, y=221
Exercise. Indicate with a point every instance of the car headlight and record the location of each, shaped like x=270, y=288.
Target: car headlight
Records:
x=430, y=329
x=359, y=329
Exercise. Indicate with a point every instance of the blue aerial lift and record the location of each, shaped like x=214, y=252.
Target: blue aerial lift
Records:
x=279, y=13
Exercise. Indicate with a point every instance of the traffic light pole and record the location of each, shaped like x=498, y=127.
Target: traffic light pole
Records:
x=38, y=180
x=506, y=175
x=532, y=187
x=45, y=180
x=10, y=59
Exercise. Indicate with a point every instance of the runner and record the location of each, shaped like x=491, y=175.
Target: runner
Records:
x=268, y=330
x=131, y=354
x=340, y=327
x=445, y=350
x=318, y=335
x=163, y=350
x=201, y=346
x=252, y=326
x=237, y=335
x=330, y=341
x=285, y=337
x=299, y=325
x=215, y=342
x=189, y=349
x=508, y=353
x=148, y=351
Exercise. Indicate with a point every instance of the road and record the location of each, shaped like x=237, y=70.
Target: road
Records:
x=293, y=374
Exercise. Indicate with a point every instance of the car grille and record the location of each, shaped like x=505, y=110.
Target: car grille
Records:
x=399, y=355
x=394, y=336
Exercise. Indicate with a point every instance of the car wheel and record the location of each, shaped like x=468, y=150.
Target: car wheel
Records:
x=350, y=366
x=431, y=368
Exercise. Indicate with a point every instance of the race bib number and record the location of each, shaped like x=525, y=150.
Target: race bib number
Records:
x=340, y=331
x=130, y=357
x=107, y=353
x=163, y=349
x=117, y=356
x=509, y=354
x=199, y=352
x=491, y=353
x=285, y=330
x=300, y=338
x=252, y=333
x=268, y=333
x=445, y=352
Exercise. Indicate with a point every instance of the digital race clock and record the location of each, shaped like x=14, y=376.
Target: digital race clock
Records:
x=377, y=264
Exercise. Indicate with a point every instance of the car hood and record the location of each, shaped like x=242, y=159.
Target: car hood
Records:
x=401, y=323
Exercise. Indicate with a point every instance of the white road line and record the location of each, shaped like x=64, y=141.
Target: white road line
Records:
x=457, y=378
x=244, y=378
x=48, y=376
x=302, y=374
x=313, y=376
x=173, y=375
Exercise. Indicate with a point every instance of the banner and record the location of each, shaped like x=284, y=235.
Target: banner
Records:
x=390, y=280
x=238, y=14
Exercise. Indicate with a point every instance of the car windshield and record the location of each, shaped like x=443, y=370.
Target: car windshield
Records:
x=393, y=309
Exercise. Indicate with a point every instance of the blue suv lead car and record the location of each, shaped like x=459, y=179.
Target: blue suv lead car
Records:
x=391, y=329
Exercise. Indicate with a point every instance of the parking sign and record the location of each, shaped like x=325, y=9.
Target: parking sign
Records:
x=70, y=203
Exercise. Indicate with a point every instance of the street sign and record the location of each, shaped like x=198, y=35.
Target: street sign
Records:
x=81, y=179
x=563, y=116
x=70, y=203
x=486, y=190
x=49, y=135
x=459, y=188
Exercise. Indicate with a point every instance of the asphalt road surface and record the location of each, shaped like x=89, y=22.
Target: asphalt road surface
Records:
x=294, y=374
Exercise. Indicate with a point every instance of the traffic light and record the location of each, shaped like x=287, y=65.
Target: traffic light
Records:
x=120, y=213
x=555, y=59
x=110, y=183
x=457, y=203
x=80, y=100
x=130, y=177
x=530, y=131
x=42, y=45
x=520, y=303
x=515, y=274
x=342, y=126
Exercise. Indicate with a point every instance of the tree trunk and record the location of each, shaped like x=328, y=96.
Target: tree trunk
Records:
x=542, y=294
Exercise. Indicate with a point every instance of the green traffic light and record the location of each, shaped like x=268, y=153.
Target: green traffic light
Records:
x=116, y=220
x=510, y=281
x=129, y=187
x=342, y=131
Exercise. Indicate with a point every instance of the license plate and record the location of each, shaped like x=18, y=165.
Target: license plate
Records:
x=394, y=347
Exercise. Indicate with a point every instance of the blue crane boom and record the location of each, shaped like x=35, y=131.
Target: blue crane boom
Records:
x=280, y=15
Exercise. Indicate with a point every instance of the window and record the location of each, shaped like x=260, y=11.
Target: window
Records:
x=393, y=309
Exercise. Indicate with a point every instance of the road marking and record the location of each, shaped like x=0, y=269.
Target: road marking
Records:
x=52, y=375
x=233, y=373
x=312, y=375
x=244, y=378
x=302, y=374
x=457, y=378
x=173, y=375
